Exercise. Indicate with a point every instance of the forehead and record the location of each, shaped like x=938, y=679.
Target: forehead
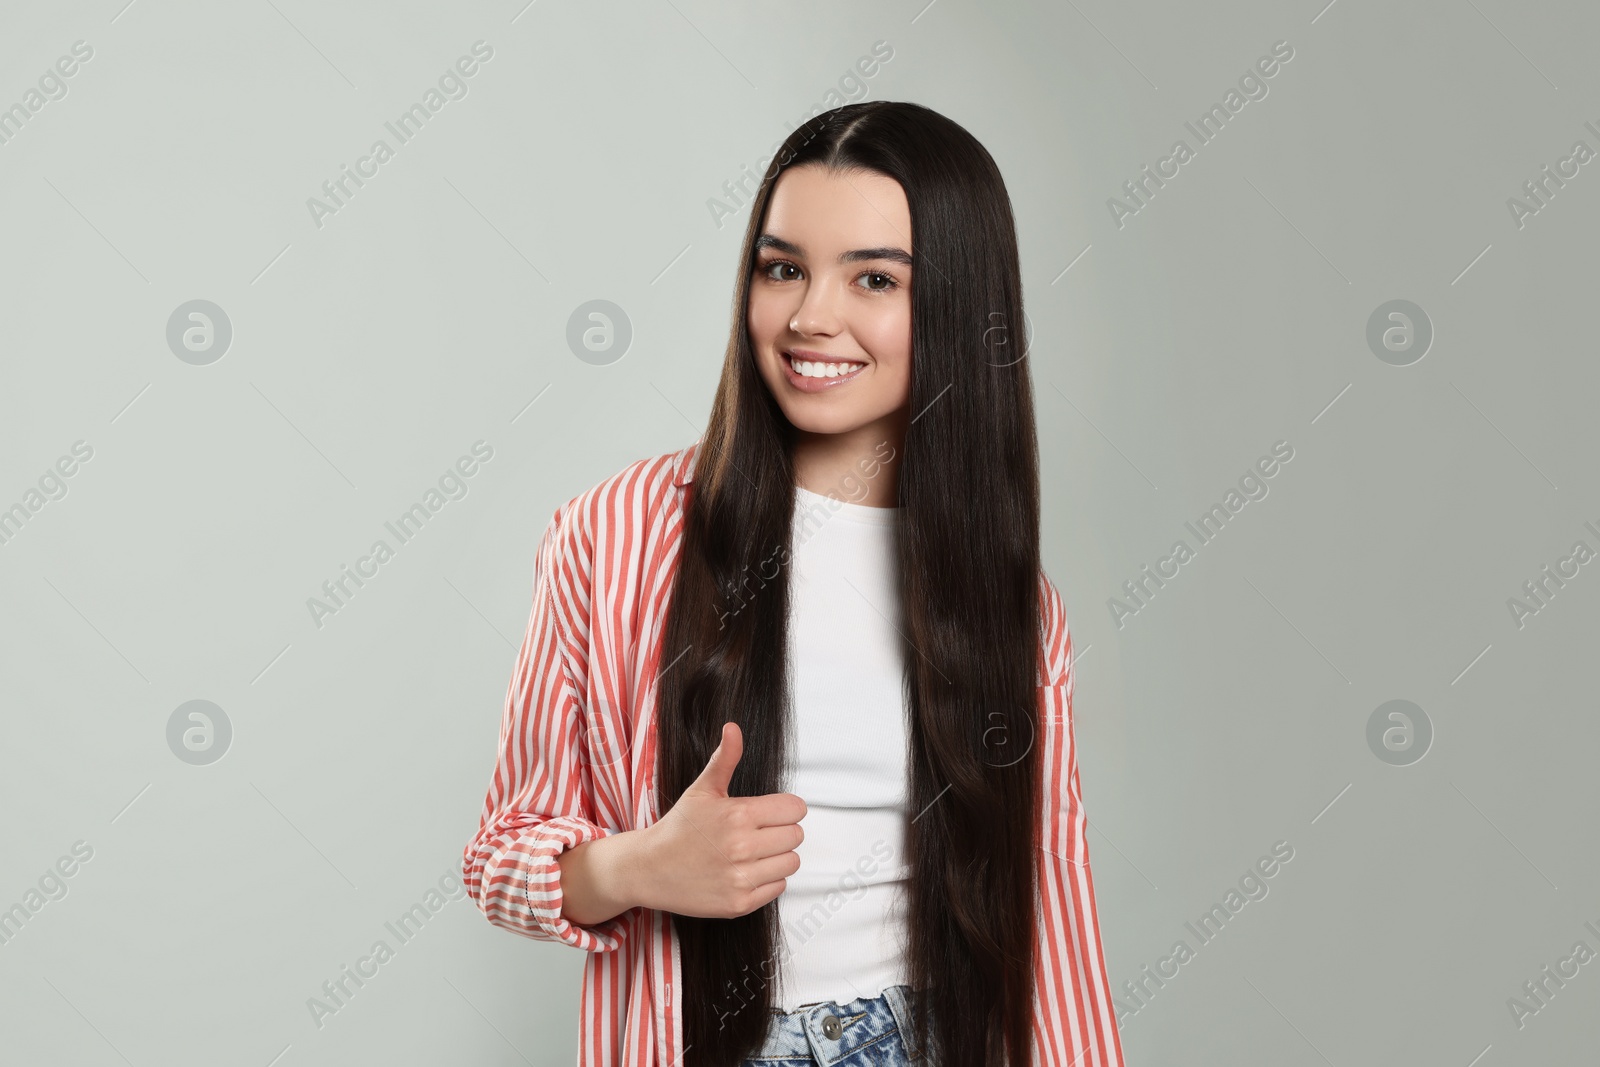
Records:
x=826, y=212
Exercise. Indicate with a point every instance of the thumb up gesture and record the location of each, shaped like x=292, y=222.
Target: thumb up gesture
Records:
x=716, y=856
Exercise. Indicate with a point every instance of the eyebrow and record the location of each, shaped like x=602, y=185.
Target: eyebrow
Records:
x=895, y=255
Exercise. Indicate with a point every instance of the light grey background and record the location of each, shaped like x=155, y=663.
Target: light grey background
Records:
x=370, y=352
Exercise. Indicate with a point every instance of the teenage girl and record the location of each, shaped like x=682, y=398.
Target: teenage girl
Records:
x=789, y=749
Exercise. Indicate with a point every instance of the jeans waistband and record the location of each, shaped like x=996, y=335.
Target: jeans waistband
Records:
x=831, y=1030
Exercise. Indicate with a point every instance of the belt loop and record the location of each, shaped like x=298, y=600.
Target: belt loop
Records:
x=900, y=1007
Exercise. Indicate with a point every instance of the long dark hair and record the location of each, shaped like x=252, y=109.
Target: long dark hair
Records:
x=968, y=490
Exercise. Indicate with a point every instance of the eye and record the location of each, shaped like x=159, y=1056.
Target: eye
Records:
x=766, y=268
x=889, y=282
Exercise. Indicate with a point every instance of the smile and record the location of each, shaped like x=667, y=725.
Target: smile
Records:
x=812, y=375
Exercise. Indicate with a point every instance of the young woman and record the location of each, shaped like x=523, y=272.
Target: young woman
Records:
x=788, y=748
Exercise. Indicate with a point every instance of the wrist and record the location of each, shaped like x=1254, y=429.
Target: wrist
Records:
x=598, y=879
x=628, y=861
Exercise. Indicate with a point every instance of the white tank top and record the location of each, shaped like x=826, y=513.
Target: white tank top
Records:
x=843, y=913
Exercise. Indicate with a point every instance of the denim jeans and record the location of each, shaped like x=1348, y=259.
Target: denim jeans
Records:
x=866, y=1032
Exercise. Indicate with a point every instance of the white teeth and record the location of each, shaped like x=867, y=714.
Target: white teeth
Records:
x=823, y=370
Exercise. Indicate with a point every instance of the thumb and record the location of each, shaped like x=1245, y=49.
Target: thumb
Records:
x=719, y=768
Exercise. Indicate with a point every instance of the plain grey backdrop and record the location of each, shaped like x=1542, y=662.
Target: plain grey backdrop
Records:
x=228, y=458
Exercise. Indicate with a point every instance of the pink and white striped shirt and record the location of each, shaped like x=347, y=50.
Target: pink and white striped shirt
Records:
x=576, y=762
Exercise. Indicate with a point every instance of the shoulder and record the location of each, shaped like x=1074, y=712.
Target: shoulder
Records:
x=1054, y=634
x=620, y=506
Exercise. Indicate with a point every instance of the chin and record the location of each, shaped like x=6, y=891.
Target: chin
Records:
x=832, y=422
x=817, y=422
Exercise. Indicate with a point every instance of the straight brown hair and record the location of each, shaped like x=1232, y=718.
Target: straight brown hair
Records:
x=968, y=542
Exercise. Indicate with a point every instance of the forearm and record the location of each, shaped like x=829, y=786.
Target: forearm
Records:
x=600, y=878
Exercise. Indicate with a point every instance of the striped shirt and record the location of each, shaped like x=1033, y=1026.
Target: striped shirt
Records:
x=576, y=761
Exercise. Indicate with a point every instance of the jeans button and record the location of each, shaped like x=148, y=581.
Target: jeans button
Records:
x=831, y=1028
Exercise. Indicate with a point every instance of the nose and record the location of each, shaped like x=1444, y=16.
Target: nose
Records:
x=817, y=313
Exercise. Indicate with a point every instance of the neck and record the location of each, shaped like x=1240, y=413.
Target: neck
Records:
x=861, y=465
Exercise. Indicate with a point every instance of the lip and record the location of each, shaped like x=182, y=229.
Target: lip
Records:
x=815, y=385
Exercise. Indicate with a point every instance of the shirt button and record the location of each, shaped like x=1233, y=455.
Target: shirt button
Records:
x=831, y=1028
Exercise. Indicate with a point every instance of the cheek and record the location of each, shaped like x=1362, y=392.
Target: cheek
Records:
x=887, y=335
x=765, y=317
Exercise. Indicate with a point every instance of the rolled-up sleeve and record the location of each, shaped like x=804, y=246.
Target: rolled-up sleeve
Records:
x=540, y=797
x=1074, y=1018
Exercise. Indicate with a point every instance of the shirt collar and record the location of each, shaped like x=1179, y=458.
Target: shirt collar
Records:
x=683, y=466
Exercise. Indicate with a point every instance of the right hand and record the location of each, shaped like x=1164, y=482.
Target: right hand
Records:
x=720, y=857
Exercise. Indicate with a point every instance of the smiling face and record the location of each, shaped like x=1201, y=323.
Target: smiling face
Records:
x=832, y=282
